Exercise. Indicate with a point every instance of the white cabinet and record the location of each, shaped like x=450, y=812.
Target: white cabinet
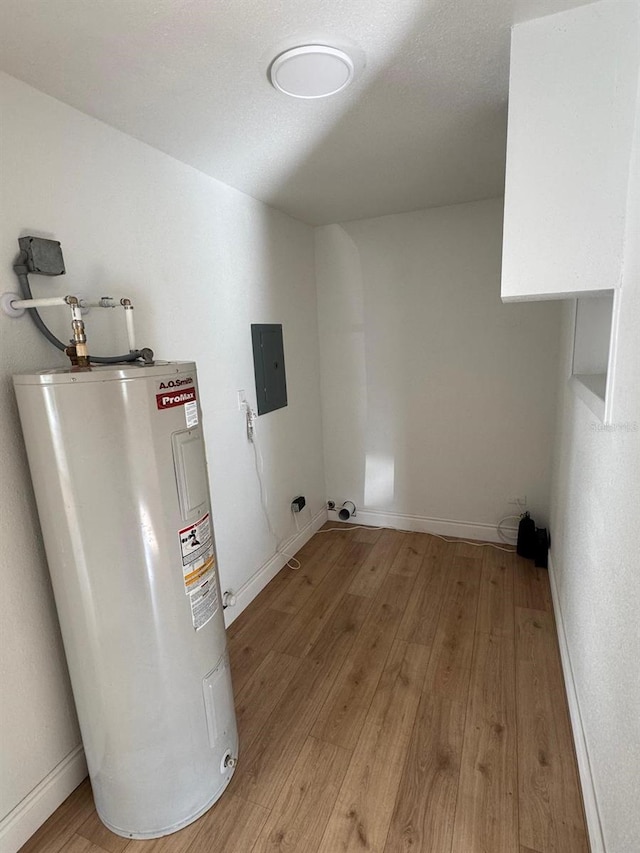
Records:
x=571, y=118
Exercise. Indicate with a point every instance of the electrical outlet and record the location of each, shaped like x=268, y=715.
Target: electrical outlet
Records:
x=298, y=504
x=250, y=415
x=518, y=501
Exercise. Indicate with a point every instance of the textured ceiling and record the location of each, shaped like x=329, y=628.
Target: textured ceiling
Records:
x=423, y=125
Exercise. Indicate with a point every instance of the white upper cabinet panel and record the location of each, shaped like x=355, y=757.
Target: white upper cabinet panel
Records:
x=571, y=117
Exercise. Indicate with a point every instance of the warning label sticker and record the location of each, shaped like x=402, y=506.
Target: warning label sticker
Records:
x=195, y=539
x=196, y=548
x=199, y=575
x=191, y=414
x=204, y=604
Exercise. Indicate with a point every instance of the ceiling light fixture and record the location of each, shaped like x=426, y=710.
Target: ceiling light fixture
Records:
x=311, y=71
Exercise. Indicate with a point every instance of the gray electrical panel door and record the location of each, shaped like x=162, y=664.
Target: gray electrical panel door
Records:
x=268, y=365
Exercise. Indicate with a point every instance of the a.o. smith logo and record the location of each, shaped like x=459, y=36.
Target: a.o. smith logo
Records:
x=176, y=383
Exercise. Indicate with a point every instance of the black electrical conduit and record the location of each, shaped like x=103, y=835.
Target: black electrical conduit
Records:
x=22, y=273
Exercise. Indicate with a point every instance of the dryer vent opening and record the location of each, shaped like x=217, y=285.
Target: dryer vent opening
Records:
x=347, y=509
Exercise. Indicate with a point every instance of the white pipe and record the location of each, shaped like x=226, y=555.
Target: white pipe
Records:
x=131, y=334
x=43, y=302
x=16, y=307
x=103, y=302
x=110, y=302
x=76, y=311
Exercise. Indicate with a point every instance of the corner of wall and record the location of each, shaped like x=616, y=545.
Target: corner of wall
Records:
x=22, y=821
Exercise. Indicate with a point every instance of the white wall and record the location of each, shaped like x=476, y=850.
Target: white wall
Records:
x=201, y=262
x=438, y=399
x=595, y=566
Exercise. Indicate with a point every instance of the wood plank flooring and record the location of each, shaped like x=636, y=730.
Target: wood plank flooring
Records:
x=398, y=693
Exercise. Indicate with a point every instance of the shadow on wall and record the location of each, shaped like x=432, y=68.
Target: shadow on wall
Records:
x=367, y=409
x=277, y=286
x=435, y=395
x=343, y=348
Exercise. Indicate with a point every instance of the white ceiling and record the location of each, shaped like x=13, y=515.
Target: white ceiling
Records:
x=423, y=125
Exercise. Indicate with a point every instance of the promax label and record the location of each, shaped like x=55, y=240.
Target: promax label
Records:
x=169, y=399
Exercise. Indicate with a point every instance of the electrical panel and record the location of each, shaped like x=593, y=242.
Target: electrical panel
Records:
x=268, y=365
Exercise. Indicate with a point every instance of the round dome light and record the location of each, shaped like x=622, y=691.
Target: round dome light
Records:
x=311, y=71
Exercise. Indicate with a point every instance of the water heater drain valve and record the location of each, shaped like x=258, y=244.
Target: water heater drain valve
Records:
x=229, y=598
x=228, y=761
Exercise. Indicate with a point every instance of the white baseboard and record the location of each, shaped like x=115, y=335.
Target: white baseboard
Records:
x=29, y=815
x=422, y=524
x=268, y=570
x=592, y=814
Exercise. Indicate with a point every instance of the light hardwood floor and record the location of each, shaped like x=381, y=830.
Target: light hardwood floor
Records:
x=398, y=693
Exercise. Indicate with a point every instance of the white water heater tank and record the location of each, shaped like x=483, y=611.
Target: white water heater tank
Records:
x=119, y=471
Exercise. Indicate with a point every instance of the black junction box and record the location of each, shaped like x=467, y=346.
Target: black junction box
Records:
x=44, y=257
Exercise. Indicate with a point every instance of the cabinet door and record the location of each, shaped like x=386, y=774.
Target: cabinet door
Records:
x=571, y=118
